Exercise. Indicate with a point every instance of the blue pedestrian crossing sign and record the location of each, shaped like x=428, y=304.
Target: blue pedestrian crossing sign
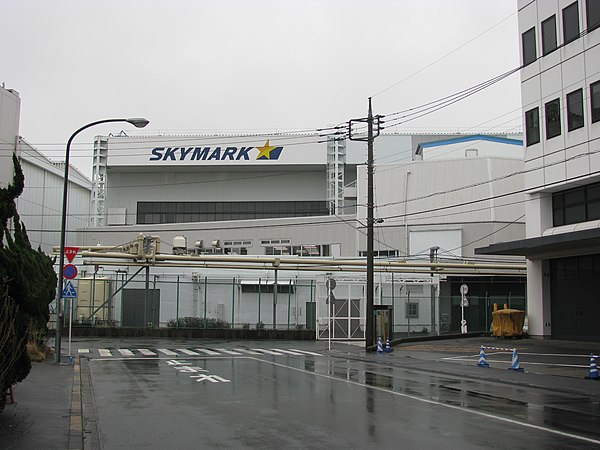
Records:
x=69, y=291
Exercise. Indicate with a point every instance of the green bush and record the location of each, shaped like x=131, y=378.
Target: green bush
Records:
x=197, y=322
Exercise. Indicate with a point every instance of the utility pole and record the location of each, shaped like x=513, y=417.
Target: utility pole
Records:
x=433, y=258
x=371, y=135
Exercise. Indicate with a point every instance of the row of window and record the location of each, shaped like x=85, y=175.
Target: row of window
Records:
x=570, y=25
x=178, y=212
x=576, y=205
x=552, y=111
x=282, y=250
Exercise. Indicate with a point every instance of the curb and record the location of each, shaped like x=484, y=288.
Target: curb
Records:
x=76, y=419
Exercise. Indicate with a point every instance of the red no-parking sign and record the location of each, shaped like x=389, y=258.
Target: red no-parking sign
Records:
x=69, y=271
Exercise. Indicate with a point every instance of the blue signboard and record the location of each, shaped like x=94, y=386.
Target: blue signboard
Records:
x=69, y=291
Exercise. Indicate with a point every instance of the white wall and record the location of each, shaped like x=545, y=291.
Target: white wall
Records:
x=10, y=106
x=405, y=192
x=40, y=205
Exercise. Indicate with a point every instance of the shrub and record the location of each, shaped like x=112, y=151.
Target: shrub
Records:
x=197, y=322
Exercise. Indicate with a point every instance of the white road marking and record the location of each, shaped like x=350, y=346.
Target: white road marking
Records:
x=125, y=352
x=187, y=352
x=166, y=352
x=211, y=378
x=306, y=352
x=288, y=352
x=104, y=352
x=146, y=352
x=445, y=405
x=228, y=352
x=250, y=352
x=208, y=352
x=268, y=352
x=83, y=350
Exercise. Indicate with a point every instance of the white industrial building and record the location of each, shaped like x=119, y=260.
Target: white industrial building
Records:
x=40, y=205
x=560, y=88
x=281, y=195
x=304, y=195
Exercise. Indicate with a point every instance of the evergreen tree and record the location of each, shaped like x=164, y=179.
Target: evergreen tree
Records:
x=27, y=287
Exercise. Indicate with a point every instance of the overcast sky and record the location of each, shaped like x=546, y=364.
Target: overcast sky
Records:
x=202, y=66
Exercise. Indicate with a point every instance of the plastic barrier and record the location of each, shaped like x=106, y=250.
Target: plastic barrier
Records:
x=515, y=363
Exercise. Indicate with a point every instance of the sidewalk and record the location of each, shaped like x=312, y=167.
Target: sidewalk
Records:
x=40, y=417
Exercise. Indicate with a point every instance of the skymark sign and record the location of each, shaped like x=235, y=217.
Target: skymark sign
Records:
x=266, y=152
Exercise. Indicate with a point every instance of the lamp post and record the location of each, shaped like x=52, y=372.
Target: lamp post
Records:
x=137, y=122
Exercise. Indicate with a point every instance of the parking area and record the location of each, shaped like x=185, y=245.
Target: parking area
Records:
x=546, y=357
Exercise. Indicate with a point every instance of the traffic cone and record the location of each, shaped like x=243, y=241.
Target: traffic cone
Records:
x=482, y=361
x=515, y=365
x=388, y=349
x=593, y=368
x=379, y=345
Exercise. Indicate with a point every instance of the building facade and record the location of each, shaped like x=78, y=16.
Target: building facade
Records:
x=40, y=204
x=560, y=87
x=304, y=196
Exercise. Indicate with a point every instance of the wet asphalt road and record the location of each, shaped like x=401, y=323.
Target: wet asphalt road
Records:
x=249, y=400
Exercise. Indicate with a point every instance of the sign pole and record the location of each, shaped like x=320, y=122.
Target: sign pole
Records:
x=70, y=325
x=463, y=302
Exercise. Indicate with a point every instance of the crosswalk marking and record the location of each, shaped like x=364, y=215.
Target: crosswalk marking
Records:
x=250, y=352
x=208, y=352
x=197, y=352
x=146, y=352
x=166, y=352
x=306, y=352
x=228, y=352
x=187, y=352
x=268, y=352
x=288, y=352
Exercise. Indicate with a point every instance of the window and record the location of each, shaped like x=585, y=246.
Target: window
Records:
x=553, y=119
x=529, y=52
x=571, y=22
x=575, y=109
x=176, y=212
x=549, y=35
x=577, y=205
x=592, y=14
x=595, y=99
x=532, y=126
x=412, y=310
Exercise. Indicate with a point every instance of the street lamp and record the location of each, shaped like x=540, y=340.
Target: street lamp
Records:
x=137, y=122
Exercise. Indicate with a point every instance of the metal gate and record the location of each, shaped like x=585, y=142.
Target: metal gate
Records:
x=141, y=309
x=341, y=310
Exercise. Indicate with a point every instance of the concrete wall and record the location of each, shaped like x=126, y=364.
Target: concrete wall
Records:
x=443, y=195
x=126, y=188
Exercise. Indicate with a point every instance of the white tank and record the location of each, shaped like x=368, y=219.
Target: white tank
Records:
x=179, y=245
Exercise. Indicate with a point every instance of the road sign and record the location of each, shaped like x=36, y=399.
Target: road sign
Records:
x=330, y=283
x=69, y=291
x=71, y=252
x=464, y=289
x=69, y=271
x=464, y=302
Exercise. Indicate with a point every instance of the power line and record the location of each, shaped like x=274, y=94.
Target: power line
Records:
x=444, y=56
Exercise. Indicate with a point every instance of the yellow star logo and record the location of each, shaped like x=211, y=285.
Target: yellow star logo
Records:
x=265, y=150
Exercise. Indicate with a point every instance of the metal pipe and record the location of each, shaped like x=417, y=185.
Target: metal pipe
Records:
x=300, y=261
